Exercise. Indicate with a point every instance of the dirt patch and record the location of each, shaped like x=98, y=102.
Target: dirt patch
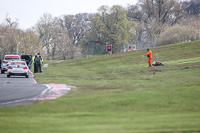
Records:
x=186, y=68
x=155, y=71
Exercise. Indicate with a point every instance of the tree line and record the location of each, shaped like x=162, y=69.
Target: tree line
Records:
x=82, y=35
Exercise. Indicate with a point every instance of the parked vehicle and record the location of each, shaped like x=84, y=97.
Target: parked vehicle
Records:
x=28, y=59
x=7, y=59
x=18, y=68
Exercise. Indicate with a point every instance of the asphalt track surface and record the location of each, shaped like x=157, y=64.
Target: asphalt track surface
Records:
x=17, y=89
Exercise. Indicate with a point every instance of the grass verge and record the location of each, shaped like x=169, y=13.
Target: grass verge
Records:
x=117, y=93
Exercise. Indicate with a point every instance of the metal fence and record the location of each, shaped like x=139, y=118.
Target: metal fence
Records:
x=147, y=44
x=132, y=45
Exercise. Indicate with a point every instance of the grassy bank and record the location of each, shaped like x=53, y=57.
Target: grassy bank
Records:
x=117, y=93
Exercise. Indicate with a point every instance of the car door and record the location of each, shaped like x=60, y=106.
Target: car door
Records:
x=28, y=59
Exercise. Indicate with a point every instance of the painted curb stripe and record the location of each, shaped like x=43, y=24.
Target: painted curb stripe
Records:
x=54, y=91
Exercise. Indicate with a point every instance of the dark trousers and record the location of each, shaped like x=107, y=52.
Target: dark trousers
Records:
x=35, y=68
x=39, y=69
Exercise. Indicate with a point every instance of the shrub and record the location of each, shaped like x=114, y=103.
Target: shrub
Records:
x=177, y=34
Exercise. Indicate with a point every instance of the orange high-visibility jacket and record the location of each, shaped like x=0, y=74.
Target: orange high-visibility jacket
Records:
x=150, y=54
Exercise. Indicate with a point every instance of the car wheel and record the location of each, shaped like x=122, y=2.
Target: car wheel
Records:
x=2, y=71
x=27, y=76
x=8, y=76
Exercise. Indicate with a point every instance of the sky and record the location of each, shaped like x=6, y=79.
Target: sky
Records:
x=28, y=12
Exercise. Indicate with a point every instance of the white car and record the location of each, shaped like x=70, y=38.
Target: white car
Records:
x=18, y=68
x=7, y=59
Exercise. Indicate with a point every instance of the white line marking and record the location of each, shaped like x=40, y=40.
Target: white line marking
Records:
x=28, y=99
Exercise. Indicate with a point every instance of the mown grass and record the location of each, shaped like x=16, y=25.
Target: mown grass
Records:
x=117, y=94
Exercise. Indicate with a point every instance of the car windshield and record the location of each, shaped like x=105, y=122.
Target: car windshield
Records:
x=18, y=63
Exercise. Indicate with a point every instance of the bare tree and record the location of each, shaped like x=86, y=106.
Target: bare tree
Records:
x=66, y=32
x=28, y=42
x=44, y=29
x=193, y=7
x=62, y=46
x=154, y=14
x=77, y=26
x=65, y=47
x=8, y=33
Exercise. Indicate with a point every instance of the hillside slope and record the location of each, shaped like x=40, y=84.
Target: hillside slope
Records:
x=108, y=71
x=117, y=93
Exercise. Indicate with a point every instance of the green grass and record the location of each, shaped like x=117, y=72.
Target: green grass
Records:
x=117, y=94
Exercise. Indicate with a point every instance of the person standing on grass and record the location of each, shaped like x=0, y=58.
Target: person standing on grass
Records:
x=34, y=64
x=39, y=61
x=149, y=55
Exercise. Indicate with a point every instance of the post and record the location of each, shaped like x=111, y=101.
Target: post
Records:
x=141, y=44
x=17, y=47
